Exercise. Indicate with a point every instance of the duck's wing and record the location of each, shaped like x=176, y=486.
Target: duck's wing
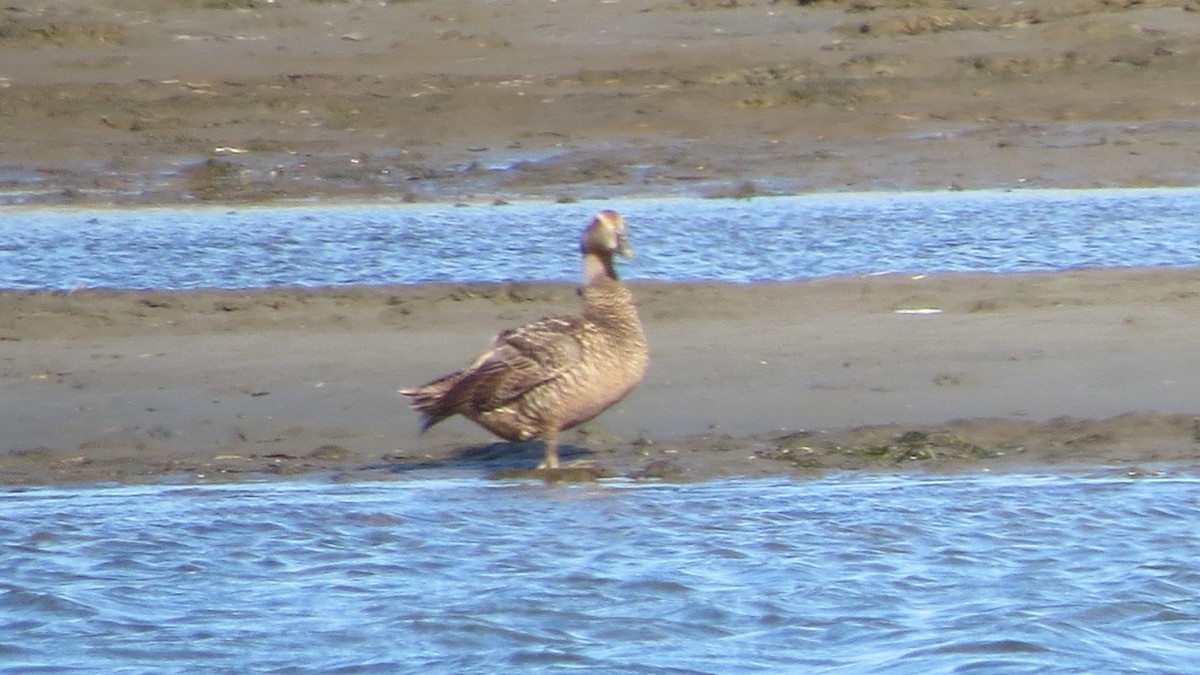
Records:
x=521, y=359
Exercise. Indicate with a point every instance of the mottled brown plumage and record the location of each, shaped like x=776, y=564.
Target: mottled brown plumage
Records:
x=558, y=372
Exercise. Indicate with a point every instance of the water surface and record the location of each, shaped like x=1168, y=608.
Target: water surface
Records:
x=903, y=574
x=778, y=238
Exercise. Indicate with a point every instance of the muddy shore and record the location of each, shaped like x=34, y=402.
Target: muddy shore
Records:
x=804, y=378
x=153, y=101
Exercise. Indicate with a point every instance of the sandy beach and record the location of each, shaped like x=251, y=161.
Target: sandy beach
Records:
x=132, y=102
x=804, y=378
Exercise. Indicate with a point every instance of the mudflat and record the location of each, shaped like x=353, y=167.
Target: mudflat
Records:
x=219, y=100
x=187, y=101
x=943, y=373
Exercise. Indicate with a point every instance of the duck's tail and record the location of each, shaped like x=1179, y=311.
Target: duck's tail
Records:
x=430, y=400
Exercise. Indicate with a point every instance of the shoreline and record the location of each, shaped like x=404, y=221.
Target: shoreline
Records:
x=476, y=200
x=1035, y=371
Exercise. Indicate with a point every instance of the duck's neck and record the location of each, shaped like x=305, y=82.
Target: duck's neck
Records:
x=597, y=268
x=606, y=301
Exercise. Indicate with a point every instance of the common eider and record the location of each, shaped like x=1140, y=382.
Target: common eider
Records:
x=559, y=372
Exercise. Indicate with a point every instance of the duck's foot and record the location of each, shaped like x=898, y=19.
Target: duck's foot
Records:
x=582, y=471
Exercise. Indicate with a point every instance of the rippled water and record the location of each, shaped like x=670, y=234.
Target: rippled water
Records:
x=677, y=239
x=874, y=574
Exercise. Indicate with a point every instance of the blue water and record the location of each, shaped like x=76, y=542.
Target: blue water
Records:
x=905, y=574
x=775, y=238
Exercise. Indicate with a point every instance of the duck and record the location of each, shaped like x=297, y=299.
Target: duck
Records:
x=536, y=381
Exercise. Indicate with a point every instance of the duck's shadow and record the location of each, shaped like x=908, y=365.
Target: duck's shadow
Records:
x=500, y=460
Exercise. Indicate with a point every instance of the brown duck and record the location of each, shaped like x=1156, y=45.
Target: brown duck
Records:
x=558, y=372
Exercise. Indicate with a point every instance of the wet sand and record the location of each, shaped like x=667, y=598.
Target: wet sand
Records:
x=137, y=101
x=188, y=101
x=1015, y=372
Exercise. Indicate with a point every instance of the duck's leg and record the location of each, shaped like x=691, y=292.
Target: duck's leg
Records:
x=550, y=441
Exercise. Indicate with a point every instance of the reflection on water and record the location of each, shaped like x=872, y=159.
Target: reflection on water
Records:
x=848, y=573
x=677, y=239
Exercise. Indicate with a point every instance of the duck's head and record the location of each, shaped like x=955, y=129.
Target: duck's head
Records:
x=606, y=236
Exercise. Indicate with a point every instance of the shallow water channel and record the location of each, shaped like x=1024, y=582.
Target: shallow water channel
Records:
x=777, y=238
